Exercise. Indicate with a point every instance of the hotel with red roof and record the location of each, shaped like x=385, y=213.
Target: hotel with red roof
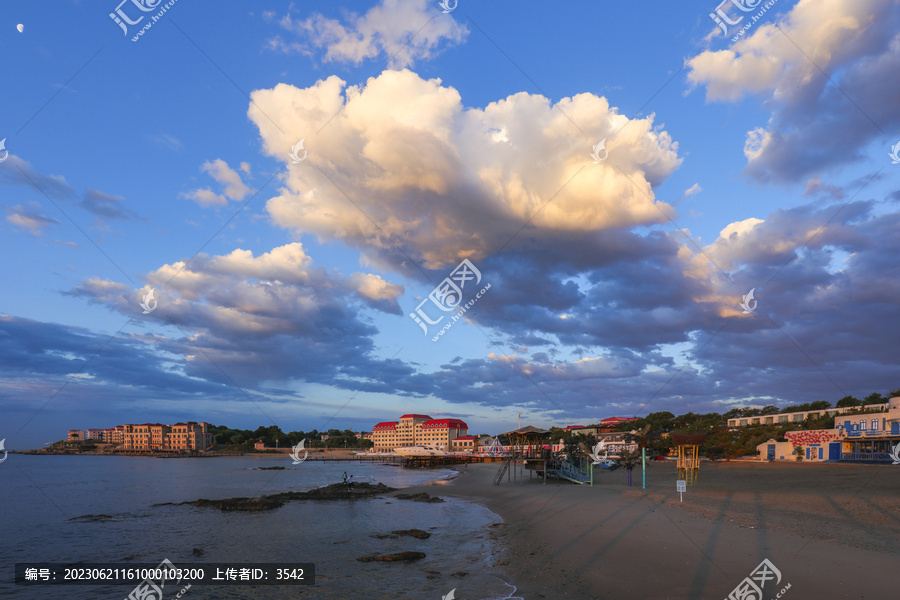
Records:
x=415, y=429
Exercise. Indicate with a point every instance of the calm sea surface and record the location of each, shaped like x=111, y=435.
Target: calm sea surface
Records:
x=41, y=493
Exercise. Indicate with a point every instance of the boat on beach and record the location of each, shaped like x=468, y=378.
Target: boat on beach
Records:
x=421, y=450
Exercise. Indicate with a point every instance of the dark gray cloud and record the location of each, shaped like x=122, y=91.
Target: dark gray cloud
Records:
x=105, y=206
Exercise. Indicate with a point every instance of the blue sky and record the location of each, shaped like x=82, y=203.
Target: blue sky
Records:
x=284, y=290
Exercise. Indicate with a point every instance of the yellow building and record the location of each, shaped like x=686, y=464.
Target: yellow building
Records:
x=414, y=429
x=181, y=437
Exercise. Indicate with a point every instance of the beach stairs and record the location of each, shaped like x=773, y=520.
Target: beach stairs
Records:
x=502, y=471
x=566, y=470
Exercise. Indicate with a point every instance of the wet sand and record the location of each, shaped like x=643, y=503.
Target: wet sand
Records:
x=833, y=530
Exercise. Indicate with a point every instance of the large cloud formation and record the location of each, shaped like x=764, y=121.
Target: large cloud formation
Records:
x=828, y=70
x=273, y=317
x=402, y=157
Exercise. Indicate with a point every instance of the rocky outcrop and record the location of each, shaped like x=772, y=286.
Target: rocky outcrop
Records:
x=420, y=497
x=335, y=491
x=416, y=533
x=396, y=557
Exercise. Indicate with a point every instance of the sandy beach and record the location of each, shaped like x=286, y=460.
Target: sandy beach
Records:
x=833, y=531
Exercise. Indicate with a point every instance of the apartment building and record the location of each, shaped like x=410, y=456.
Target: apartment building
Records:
x=156, y=437
x=796, y=417
x=415, y=429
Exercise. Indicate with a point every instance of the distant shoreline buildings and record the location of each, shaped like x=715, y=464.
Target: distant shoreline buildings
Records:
x=151, y=437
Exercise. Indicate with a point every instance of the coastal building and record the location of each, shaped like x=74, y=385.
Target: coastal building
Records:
x=415, y=429
x=607, y=425
x=96, y=434
x=115, y=435
x=155, y=437
x=865, y=435
x=464, y=443
x=610, y=424
x=870, y=436
x=797, y=417
x=616, y=442
x=816, y=445
x=75, y=435
x=364, y=435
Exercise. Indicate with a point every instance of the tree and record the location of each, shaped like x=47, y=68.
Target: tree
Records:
x=769, y=409
x=873, y=398
x=848, y=401
x=629, y=459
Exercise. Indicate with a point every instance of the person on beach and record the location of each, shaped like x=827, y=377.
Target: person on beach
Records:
x=345, y=477
x=350, y=482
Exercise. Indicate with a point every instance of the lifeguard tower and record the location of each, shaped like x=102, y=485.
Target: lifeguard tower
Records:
x=688, y=462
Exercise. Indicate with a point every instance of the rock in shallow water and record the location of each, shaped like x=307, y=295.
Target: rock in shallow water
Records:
x=396, y=557
x=335, y=491
x=420, y=497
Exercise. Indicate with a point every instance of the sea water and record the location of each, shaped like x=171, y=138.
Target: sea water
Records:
x=41, y=494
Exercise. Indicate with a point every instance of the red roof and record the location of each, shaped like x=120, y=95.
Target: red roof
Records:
x=467, y=437
x=415, y=416
x=444, y=423
x=571, y=427
x=385, y=425
x=614, y=420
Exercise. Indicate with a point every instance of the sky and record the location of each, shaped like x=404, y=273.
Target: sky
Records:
x=329, y=214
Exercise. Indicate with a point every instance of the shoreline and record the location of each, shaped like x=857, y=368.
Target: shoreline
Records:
x=562, y=540
x=326, y=455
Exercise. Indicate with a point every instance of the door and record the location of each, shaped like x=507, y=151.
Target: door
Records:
x=834, y=451
x=770, y=453
x=821, y=451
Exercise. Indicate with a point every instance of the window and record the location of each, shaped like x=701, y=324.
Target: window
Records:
x=874, y=424
x=862, y=424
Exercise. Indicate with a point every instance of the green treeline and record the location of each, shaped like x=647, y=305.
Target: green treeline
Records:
x=244, y=439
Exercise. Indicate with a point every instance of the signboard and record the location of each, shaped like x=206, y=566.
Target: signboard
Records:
x=681, y=488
